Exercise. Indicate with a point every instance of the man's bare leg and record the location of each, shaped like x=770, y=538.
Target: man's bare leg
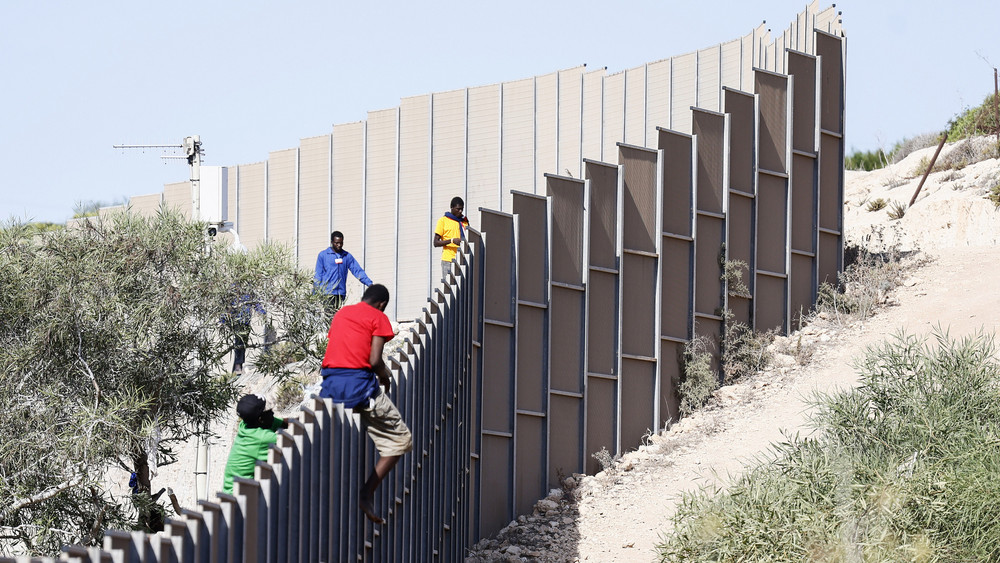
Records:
x=367, y=501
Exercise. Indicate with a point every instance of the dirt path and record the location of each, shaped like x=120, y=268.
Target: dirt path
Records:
x=619, y=514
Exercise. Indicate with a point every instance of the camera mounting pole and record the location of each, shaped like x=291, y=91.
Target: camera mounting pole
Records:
x=192, y=153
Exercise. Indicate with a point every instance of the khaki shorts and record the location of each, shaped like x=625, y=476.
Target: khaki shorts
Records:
x=386, y=426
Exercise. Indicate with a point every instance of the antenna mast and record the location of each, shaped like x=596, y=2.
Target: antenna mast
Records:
x=192, y=152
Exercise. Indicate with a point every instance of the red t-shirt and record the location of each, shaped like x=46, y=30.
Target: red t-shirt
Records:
x=351, y=334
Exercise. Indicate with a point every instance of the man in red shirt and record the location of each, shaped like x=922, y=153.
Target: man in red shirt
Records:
x=352, y=370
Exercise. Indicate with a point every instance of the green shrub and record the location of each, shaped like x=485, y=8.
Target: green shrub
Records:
x=994, y=195
x=872, y=268
x=866, y=160
x=903, y=468
x=699, y=381
x=744, y=352
x=876, y=204
x=980, y=120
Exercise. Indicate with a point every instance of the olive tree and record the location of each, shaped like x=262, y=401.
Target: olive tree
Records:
x=114, y=336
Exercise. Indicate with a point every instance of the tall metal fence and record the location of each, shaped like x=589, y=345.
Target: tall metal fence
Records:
x=560, y=332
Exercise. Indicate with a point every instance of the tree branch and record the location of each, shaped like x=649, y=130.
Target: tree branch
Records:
x=86, y=366
x=18, y=504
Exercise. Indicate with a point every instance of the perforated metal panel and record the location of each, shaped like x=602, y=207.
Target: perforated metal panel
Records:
x=499, y=355
x=568, y=335
x=614, y=115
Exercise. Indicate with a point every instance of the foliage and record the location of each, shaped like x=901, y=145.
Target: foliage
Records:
x=897, y=210
x=994, y=195
x=744, y=352
x=979, y=120
x=876, y=204
x=902, y=468
x=873, y=267
x=91, y=207
x=908, y=145
x=699, y=380
x=866, y=160
x=113, y=336
x=732, y=275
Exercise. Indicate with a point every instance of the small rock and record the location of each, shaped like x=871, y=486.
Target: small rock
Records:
x=546, y=505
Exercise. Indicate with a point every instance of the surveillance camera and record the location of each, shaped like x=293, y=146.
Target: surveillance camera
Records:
x=212, y=231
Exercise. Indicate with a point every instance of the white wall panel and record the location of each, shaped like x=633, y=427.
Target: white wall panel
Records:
x=415, y=255
x=709, y=84
x=635, y=105
x=484, y=151
x=546, y=129
x=251, y=203
x=570, y=90
x=448, y=167
x=348, y=184
x=731, y=52
x=314, y=199
x=145, y=205
x=657, y=99
x=593, y=111
x=518, y=139
x=380, y=189
x=614, y=115
x=683, y=91
x=178, y=196
x=281, y=197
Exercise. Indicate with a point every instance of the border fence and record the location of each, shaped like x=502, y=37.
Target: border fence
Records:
x=561, y=329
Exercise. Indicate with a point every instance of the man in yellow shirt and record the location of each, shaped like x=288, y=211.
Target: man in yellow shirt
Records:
x=450, y=232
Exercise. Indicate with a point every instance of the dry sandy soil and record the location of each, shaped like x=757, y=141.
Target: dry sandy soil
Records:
x=619, y=514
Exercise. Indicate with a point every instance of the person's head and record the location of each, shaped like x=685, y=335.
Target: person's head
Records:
x=254, y=412
x=377, y=295
x=337, y=240
x=457, y=206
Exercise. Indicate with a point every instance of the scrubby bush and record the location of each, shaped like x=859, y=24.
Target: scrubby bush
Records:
x=897, y=210
x=979, y=120
x=699, y=380
x=876, y=204
x=873, y=266
x=903, y=468
x=907, y=146
x=866, y=160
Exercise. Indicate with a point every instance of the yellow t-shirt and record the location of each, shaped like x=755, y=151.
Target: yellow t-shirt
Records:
x=448, y=229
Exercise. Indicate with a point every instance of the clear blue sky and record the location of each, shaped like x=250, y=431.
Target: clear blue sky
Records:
x=251, y=77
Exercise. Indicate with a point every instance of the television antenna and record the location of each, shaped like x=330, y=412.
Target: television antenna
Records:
x=192, y=153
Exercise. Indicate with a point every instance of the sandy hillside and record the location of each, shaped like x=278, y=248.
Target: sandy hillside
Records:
x=619, y=514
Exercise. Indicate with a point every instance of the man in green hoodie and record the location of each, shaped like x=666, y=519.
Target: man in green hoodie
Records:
x=254, y=436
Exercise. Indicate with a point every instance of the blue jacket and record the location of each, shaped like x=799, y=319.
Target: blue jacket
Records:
x=331, y=277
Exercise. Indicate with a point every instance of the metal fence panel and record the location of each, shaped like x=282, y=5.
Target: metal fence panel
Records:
x=741, y=228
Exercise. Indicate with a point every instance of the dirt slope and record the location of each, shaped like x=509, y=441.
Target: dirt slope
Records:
x=619, y=514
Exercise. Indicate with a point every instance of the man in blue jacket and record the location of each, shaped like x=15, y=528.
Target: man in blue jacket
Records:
x=332, y=266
